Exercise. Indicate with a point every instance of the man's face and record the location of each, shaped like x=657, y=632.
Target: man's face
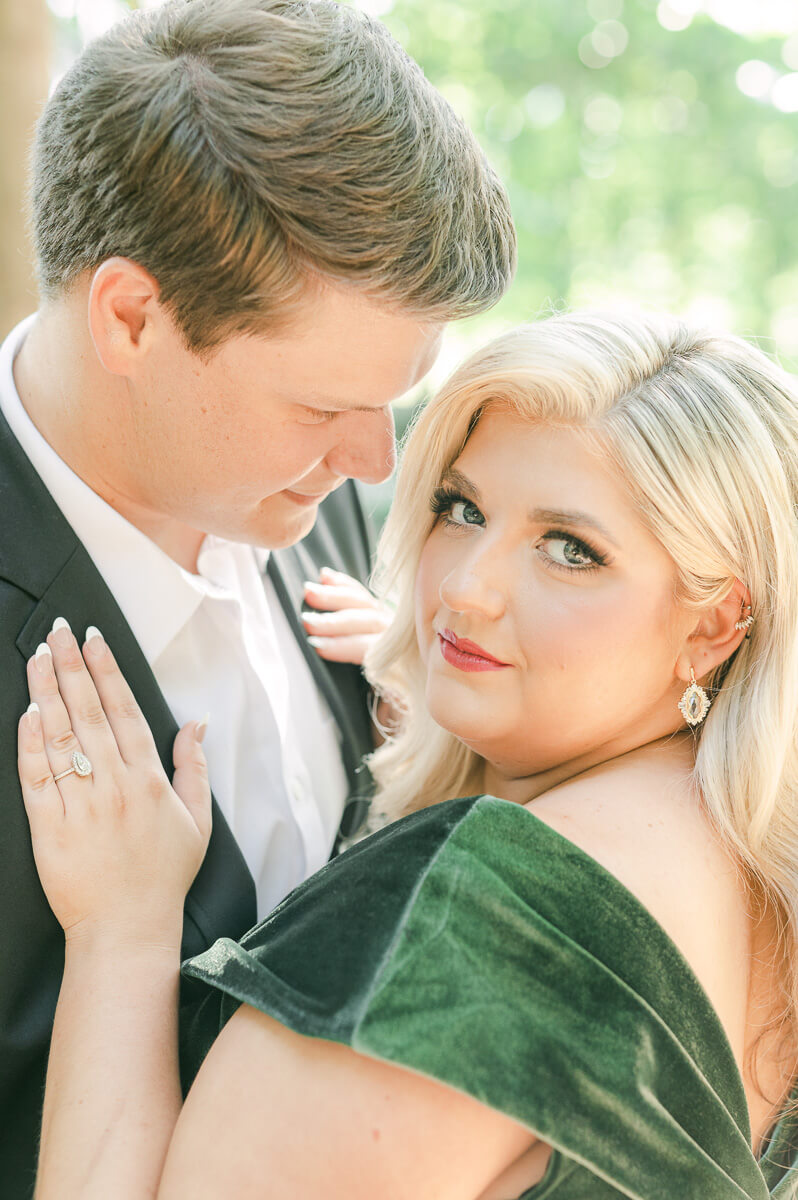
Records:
x=246, y=444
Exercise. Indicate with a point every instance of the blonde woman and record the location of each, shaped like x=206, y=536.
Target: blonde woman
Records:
x=580, y=982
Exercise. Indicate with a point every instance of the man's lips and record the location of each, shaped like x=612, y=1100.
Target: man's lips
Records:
x=314, y=497
x=467, y=655
x=301, y=498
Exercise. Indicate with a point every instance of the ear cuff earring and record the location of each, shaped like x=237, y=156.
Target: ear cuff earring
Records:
x=694, y=704
x=745, y=622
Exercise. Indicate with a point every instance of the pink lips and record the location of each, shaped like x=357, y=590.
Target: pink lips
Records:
x=467, y=655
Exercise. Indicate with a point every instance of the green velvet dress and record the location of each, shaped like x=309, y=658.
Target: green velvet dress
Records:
x=474, y=944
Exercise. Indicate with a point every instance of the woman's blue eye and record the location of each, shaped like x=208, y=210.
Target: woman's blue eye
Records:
x=463, y=512
x=568, y=551
x=454, y=509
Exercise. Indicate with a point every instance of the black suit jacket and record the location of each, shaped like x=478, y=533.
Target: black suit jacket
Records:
x=45, y=572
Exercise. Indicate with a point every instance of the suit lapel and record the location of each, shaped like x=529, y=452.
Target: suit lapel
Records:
x=288, y=569
x=341, y=684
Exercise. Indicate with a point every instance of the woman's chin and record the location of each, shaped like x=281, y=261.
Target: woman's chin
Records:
x=473, y=725
x=505, y=747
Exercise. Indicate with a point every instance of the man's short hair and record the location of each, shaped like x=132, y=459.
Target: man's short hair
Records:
x=234, y=148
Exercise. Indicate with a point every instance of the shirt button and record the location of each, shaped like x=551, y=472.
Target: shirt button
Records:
x=298, y=791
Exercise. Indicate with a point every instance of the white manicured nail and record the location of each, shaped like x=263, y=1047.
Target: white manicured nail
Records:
x=91, y=633
x=44, y=659
x=62, y=632
x=32, y=707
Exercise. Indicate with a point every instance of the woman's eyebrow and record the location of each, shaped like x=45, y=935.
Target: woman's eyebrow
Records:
x=462, y=483
x=562, y=516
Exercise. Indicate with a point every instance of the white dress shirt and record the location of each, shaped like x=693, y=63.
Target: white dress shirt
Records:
x=217, y=642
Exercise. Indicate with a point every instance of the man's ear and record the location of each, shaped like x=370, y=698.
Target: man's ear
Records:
x=714, y=637
x=124, y=313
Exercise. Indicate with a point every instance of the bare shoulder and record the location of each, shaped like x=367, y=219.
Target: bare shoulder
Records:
x=641, y=819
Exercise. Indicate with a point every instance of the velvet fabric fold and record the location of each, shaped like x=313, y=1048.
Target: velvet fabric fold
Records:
x=474, y=944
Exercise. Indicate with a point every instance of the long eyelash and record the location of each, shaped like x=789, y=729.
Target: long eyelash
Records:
x=443, y=498
x=599, y=559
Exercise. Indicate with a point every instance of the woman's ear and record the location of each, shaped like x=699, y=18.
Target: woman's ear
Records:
x=715, y=636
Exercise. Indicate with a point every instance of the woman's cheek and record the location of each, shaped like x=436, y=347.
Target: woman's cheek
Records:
x=575, y=636
x=424, y=604
x=430, y=574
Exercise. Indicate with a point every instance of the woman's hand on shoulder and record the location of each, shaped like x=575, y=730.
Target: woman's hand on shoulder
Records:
x=116, y=849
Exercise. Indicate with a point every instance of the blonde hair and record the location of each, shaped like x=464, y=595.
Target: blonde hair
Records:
x=234, y=148
x=703, y=429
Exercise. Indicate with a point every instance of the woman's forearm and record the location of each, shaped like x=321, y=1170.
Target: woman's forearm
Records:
x=117, y=847
x=113, y=1089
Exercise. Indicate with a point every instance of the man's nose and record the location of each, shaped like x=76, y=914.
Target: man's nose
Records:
x=367, y=449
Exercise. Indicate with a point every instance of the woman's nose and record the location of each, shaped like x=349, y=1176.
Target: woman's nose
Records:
x=474, y=586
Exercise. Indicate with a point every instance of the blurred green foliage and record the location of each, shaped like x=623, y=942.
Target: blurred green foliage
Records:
x=647, y=174
x=637, y=167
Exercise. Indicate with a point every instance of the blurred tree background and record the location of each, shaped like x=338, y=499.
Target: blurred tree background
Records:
x=25, y=69
x=650, y=149
x=650, y=146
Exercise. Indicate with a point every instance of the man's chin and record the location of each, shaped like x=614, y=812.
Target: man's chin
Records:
x=289, y=527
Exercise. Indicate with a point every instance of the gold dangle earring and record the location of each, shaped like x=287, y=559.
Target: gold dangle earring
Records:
x=694, y=704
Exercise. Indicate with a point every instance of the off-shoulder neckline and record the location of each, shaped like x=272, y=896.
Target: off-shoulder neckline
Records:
x=631, y=899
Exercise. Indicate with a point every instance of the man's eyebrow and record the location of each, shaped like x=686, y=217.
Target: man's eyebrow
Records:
x=563, y=516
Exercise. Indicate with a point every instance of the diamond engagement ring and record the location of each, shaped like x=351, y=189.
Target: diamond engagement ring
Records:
x=80, y=766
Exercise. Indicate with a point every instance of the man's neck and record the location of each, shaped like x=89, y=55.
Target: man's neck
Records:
x=59, y=391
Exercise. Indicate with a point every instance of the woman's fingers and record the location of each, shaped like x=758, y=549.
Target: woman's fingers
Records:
x=125, y=718
x=59, y=738
x=342, y=649
x=338, y=591
x=83, y=716
x=346, y=623
x=347, y=635
x=190, y=779
x=42, y=798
